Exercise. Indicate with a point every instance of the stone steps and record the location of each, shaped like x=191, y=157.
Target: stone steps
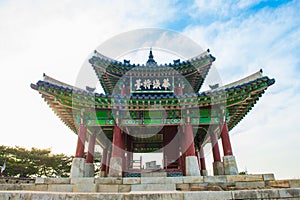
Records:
x=290, y=193
x=153, y=187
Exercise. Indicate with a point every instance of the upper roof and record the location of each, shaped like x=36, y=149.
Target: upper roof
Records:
x=110, y=71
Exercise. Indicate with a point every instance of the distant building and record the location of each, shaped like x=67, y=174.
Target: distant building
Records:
x=152, y=165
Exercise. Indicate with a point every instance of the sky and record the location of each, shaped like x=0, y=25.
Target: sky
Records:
x=56, y=37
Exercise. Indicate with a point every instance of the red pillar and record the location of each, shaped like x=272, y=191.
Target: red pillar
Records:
x=81, y=140
x=104, y=160
x=129, y=152
x=225, y=140
x=187, y=145
x=188, y=141
x=215, y=146
x=108, y=161
x=117, y=143
x=202, y=159
x=171, y=147
x=91, y=149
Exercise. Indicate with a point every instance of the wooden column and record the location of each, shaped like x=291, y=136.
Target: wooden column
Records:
x=104, y=160
x=108, y=161
x=171, y=147
x=81, y=140
x=91, y=149
x=129, y=152
x=215, y=146
x=188, y=141
x=117, y=143
x=225, y=140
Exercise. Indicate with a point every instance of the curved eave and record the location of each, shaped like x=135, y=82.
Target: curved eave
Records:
x=63, y=112
x=238, y=99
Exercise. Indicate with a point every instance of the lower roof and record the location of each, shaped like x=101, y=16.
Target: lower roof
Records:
x=237, y=99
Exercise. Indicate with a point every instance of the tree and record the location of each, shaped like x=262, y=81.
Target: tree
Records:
x=21, y=162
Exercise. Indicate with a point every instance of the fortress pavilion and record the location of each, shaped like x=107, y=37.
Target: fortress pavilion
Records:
x=153, y=108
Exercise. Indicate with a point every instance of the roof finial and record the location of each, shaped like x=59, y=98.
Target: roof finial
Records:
x=151, y=60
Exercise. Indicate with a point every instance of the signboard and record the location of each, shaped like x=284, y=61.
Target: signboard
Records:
x=152, y=84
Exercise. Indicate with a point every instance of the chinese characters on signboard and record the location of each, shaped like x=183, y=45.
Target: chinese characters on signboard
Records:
x=152, y=84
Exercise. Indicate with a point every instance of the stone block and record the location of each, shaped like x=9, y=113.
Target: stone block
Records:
x=40, y=180
x=183, y=186
x=115, y=167
x=60, y=188
x=192, y=179
x=85, y=187
x=109, y=180
x=215, y=179
x=162, y=180
x=246, y=194
x=278, y=184
x=153, y=187
x=17, y=186
x=230, y=166
x=246, y=178
x=124, y=188
x=250, y=185
x=289, y=193
x=107, y=188
x=268, y=177
x=191, y=166
x=208, y=195
x=41, y=187
x=89, y=170
x=218, y=168
x=77, y=168
x=156, y=196
x=198, y=186
x=154, y=174
x=98, y=196
x=294, y=183
x=83, y=180
x=131, y=181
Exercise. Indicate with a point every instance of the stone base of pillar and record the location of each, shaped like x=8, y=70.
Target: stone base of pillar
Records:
x=191, y=166
x=115, y=167
x=103, y=174
x=89, y=170
x=230, y=166
x=204, y=172
x=77, y=168
x=218, y=168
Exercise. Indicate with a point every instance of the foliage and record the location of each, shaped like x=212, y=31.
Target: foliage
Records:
x=21, y=162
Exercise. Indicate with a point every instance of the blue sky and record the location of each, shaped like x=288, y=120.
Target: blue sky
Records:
x=56, y=36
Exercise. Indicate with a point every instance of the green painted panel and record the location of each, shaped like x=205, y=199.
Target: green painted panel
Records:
x=152, y=121
x=102, y=114
x=152, y=114
x=204, y=112
x=205, y=120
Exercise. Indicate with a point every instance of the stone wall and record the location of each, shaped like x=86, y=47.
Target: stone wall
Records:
x=186, y=187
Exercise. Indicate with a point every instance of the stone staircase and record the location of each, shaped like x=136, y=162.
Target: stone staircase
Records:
x=155, y=181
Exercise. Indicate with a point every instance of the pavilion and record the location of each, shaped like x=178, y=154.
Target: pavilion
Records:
x=153, y=108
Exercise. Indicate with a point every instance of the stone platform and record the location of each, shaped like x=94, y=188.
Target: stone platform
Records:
x=256, y=186
x=278, y=194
